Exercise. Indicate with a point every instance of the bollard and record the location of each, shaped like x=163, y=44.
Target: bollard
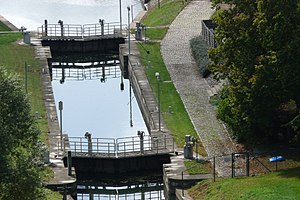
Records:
x=141, y=135
x=61, y=23
x=101, y=21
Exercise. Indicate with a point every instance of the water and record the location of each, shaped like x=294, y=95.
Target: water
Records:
x=32, y=13
x=89, y=105
x=98, y=107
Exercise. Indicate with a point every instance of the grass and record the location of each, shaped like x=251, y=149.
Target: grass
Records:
x=3, y=27
x=178, y=121
x=165, y=14
x=13, y=57
x=280, y=185
x=156, y=33
x=198, y=167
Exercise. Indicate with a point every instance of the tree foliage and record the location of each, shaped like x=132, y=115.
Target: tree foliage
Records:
x=259, y=57
x=20, y=149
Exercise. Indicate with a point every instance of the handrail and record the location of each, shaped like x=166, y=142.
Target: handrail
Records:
x=81, y=31
x=121, y=147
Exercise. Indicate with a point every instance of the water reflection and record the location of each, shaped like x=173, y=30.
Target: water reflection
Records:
x=140, y=190
x=93, y=99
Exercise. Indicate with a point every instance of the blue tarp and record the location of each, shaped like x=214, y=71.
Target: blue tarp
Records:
x=277, y=158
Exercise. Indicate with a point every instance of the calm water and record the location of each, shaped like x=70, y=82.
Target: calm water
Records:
x=89, y=105
x=99, y=108
x=32, y=13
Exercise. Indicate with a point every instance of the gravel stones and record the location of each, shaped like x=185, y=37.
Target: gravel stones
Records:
x=193, y=89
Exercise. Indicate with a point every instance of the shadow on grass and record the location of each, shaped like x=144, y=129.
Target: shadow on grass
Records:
x=290, y=173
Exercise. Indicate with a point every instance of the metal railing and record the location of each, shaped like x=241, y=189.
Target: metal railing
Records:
x=75, y=31
x=121, y=147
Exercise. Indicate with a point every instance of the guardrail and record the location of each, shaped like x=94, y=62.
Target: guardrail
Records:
x=121, y=147
x=75, y=31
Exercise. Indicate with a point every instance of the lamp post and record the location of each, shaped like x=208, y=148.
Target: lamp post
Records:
x=128, y=9
x=60, y=107
x=120, y=7
x=158, y=96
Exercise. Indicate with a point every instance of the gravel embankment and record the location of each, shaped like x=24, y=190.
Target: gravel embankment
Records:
x=193, y=89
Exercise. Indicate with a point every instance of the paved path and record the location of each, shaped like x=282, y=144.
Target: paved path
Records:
x=193, y=89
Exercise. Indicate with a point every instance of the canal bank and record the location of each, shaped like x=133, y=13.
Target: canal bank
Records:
x=61, y=179
x=8, y=24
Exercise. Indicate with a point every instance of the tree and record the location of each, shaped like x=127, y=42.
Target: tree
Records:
x=257, y=54
x=20, y=150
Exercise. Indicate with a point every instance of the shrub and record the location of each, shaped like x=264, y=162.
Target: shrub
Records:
x=200, y=52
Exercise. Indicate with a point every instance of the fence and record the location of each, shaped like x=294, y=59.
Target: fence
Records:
x=121, y=147
x=208, y=32
x=251, y=164
x=75, y=31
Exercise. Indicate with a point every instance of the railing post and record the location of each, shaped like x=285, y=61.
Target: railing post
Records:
x=108, y=151
x=247, y=164
x=80, y=145
x=97, y=145
x=182, y=190
x=232, y=165
x=69, y=163
x=46, y=27
x=124, y=150
x=214, y=166
x=115, y=148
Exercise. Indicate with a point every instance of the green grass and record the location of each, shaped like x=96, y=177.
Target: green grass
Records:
x=165, y=14
x=13, y=57
x=178, y=122
x=3, y=27
x=156, y=33
x=279, y=185
x=198, y=167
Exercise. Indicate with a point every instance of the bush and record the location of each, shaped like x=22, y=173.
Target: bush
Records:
x=200, y=53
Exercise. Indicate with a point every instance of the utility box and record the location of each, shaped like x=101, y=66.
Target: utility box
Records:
x=138, y=34
x=26, y=37
x=188, y=147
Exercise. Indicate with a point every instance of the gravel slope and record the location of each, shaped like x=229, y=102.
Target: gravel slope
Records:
x=193, y=89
